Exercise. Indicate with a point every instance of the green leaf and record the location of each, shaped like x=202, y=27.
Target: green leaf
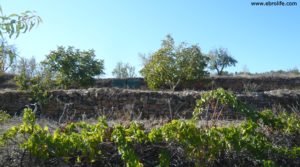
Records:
x=12, y=30
x=13, y=15
x=26, y=28
x=31, y=25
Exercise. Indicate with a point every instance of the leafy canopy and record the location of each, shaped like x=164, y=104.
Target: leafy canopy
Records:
x=220, y=59
x=72, y=67
x=171, y=65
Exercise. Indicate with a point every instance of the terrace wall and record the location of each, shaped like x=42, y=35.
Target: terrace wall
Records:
x=233, y=83
x=116, y=103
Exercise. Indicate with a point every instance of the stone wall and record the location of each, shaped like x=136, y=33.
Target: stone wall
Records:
x=116, y=103
x=245, y=84
x=7, y=81
x=13, y=101
x=234, y=83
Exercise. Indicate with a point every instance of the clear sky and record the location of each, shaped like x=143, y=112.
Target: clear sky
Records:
x=261, y=38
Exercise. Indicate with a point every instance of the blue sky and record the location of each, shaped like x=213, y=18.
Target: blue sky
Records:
x=260, y=38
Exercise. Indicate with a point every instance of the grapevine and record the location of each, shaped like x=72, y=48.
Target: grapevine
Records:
x=81, y=143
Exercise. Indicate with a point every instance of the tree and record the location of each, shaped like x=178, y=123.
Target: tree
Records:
x=171, y=65
x=220, y=59
x=124, y=71
x=8, y=55
x=72, y=67
x=27, y=66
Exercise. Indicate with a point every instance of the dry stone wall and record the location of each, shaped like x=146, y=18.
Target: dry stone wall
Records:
x=245, y=84
x=7, y=81
x=118, y=103
x=234, y=83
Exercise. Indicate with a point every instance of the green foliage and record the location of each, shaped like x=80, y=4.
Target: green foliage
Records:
x=7, y=56
x=38, y=85
x=80, y=142
x=4, y=116
x=39, y=89
x=124, y=71
x=22, y=81
x=14, y=24
x=125, y=138
x=26, y=70
x=72, y=67
x=216, y=101
x=171, y=65
x=220, y=59
x=26, y=129
x=164, y=158
x=268, y=163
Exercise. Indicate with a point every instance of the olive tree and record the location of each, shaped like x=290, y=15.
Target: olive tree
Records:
x=72, y=67
x=171, y=65
x=124, y=70
x=220, y=59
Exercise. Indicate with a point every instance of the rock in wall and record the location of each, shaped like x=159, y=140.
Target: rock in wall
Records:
x=7, y=81
x=13, y=101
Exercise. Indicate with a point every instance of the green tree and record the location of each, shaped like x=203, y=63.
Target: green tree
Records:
x=171, y=65
x=8, y=55
x=72, y=67
x=220, y=59
x=124, y=71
